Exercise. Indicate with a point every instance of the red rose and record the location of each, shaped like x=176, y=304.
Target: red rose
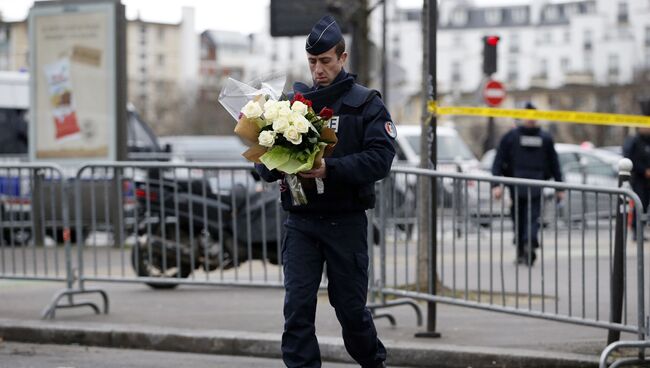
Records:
x=326, y=113
x=297, y=97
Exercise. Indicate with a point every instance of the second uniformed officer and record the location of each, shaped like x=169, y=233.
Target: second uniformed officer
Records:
x=332, y=226
x=526, y=152
x=637, y=149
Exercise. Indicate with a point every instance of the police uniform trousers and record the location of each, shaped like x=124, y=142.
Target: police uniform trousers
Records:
x=341, y=241
x=525, y=218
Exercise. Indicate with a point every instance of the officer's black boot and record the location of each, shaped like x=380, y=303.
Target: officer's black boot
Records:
x=530, y=257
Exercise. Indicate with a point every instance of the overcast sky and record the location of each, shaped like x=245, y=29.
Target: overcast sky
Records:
x=210, y=14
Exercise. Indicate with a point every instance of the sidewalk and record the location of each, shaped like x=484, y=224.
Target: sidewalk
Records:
x=245, y=321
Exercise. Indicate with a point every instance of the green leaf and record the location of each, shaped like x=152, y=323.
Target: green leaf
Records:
x=276, y=157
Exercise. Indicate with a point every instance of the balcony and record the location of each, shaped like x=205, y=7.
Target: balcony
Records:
x=579, y=77
x=539, y=80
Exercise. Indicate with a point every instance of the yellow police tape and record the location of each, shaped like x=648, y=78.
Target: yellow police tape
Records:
x=560, y=116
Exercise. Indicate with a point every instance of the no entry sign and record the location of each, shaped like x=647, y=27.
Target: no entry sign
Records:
x=494, y=93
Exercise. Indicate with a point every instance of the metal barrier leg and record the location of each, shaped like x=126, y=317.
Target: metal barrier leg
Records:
x=640, y=360
x=397, y=303
x=50, y=311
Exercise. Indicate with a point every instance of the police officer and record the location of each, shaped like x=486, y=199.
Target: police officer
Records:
x=332, y=226
x=637, y=149
x=526, y=152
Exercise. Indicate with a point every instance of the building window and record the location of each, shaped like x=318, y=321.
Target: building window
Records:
x=143, y=28
x=622, y=12
x=564, y=64
x=567, y=36
x=396, y=53
x=459, y=17
x=161, y=33
x=514, y=43
x=587, y=40
x=513, y=72
x=414, y=16
x=161, y=60
x=455, y=73
x=518, y=15
x=589, y=63
x=493, y=16
x=548, y=37
x=543, y=66
x=551, y=13
x=647, y=36
x=613, y=67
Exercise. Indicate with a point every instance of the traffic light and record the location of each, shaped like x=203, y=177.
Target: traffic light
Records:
x=490, y=54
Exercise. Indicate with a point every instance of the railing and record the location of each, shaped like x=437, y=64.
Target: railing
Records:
x=167, y=224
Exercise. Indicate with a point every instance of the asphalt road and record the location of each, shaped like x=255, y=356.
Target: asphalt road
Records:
x=18, y=355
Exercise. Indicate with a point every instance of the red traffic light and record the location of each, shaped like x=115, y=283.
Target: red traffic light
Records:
x=492, y=40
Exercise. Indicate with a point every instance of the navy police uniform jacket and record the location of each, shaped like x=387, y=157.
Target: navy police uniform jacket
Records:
x=364, y=152
x=637, y=149
x=527, y=153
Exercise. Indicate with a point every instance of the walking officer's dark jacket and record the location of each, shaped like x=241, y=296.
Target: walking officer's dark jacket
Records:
x=363, y=155
x=527, y=153
x=637, y=149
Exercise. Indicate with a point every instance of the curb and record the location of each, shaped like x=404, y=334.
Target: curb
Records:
x=267, y=345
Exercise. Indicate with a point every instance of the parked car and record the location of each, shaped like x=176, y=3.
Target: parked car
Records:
x=205, y=148
x=579, y=165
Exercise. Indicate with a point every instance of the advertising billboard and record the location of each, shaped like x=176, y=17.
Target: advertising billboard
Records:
x=77, y=110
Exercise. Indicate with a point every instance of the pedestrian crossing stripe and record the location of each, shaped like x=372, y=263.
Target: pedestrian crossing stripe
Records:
x=579, y=117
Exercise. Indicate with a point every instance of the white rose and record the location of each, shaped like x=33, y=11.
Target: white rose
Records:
x=266, y=138
x=252, y=110
x=299, y=107
x=280, y=125
x=284, y=104
x=284, y=112
x=292, y=135
x=301, y=124
x=271, y=109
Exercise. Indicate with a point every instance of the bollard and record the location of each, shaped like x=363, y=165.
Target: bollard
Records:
x=617, y=282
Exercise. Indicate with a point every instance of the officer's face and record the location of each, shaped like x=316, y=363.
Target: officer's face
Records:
x=326, y=66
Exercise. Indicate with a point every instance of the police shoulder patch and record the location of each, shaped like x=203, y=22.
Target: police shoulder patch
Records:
x=390, y=129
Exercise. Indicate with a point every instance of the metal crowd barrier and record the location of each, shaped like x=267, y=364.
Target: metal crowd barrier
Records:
x=584, y=272
x=168, y=224
x=35, y=228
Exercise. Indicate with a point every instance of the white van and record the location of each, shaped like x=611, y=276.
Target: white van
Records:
x=452, y=152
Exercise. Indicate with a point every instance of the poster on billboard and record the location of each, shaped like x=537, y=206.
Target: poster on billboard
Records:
x=77, y=112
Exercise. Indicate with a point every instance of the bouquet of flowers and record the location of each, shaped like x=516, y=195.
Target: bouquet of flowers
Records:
x=286, y=135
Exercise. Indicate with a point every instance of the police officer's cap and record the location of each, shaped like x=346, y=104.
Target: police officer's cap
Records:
x=529, y=105
x=323, y=36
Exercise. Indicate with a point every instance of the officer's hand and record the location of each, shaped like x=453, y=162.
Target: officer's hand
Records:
x=559, y=195
x=647, y=173
x=321, y=172
x=497, y=192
